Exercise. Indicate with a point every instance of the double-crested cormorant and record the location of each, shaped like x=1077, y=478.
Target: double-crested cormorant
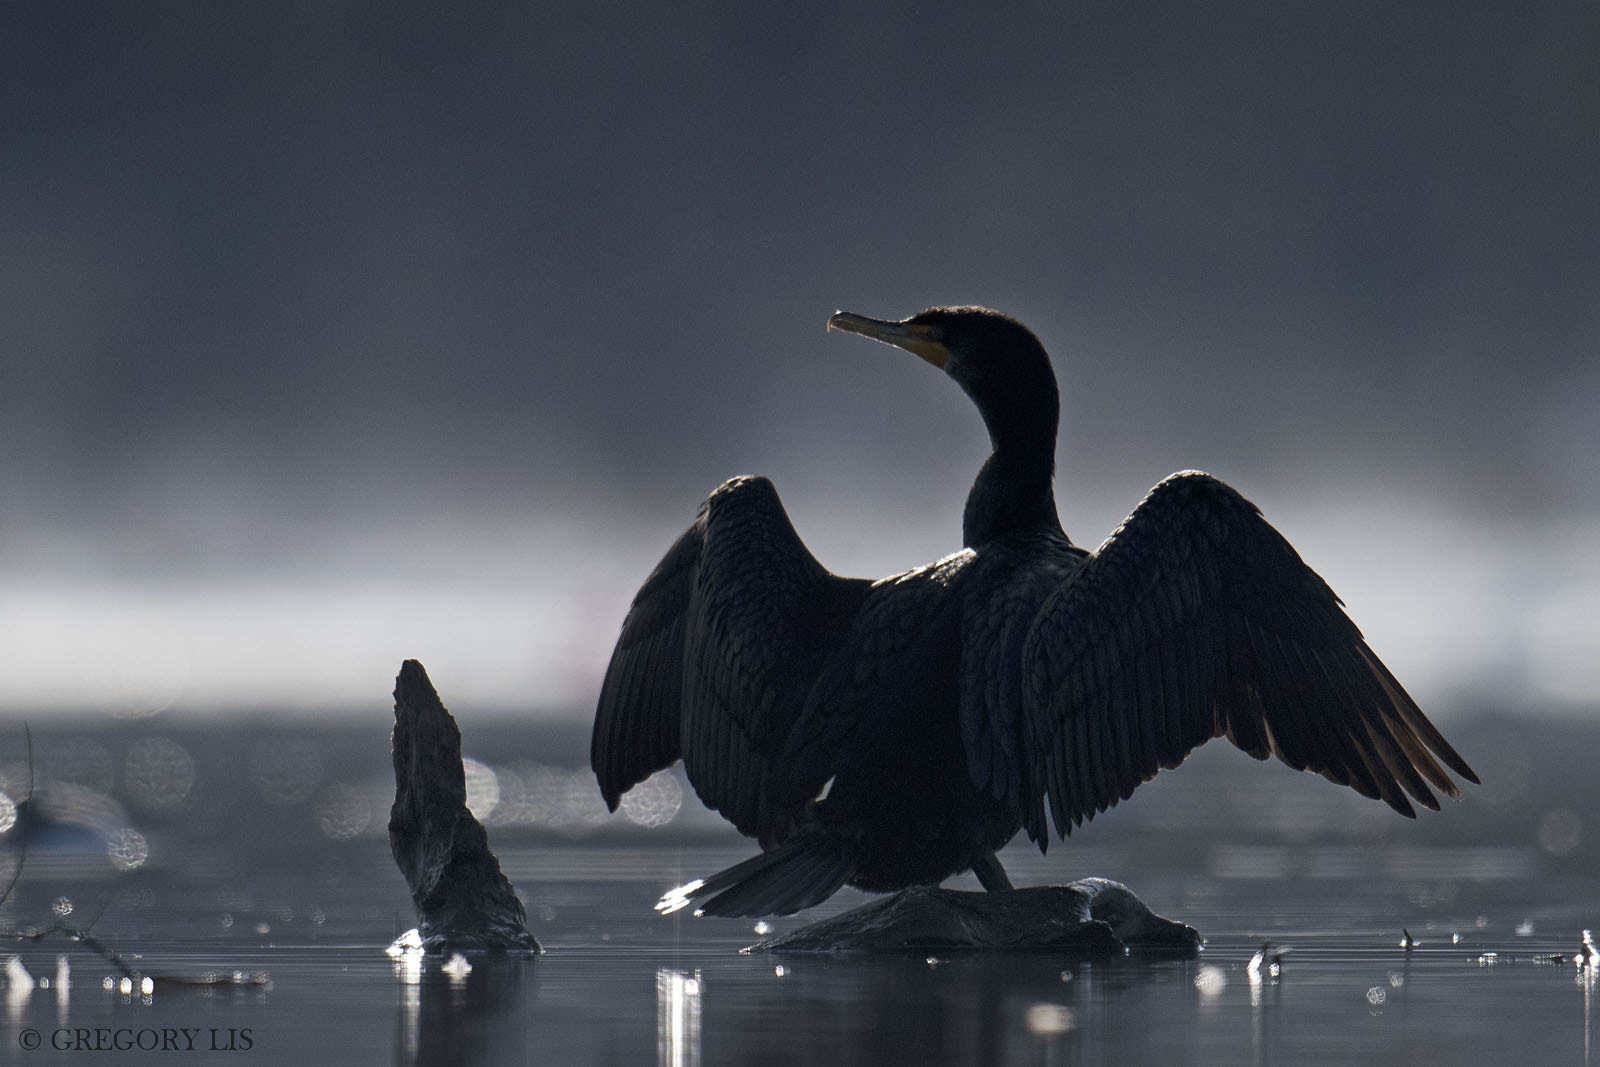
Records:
x=893, y=733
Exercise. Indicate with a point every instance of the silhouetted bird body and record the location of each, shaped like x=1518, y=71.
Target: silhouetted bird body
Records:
x=893, y=733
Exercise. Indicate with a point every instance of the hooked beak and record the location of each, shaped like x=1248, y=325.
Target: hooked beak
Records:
x=915, y=337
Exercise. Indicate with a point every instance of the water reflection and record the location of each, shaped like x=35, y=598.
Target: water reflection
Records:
x=1586, y=979
x=19, y=987
x=960, y=1009
x=450, y=1011
x=677, y=1019
x=63, y=988
x=1047, y=1019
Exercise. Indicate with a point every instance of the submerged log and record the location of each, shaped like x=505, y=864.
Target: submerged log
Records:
x=464, y=903
x=1090, y=917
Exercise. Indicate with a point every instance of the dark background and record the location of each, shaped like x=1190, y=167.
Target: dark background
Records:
x=332, y=334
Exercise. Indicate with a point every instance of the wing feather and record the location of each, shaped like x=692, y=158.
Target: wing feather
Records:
x=1196, y=619
x=636, y=726
x=718, y=653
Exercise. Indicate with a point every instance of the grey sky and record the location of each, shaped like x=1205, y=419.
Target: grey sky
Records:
x=320, y=316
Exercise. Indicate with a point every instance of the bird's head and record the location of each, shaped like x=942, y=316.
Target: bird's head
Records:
x=1003, y=368
x=996, y=360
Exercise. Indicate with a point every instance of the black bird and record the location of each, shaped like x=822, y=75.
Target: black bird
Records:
x=893, y=733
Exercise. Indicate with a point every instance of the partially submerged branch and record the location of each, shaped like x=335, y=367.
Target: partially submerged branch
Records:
x=131, y=980
x=463, y=901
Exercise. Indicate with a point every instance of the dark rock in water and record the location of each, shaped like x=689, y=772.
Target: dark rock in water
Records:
x=463, y=901
x=1090, y=917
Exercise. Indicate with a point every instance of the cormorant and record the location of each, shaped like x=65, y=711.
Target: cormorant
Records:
x=893, y=733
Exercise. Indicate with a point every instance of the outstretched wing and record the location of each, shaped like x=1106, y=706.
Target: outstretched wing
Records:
x=716, y=657
x=1196, y=619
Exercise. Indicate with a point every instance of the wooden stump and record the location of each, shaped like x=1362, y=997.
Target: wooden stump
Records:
x=464, y=903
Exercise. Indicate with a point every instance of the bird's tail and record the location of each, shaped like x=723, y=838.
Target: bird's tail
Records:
x=805, y=871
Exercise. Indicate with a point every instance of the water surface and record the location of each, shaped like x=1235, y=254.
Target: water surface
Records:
x=267, y=867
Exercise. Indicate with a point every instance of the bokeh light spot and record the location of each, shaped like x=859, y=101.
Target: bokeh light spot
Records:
x=1047, y=1020
x=157, y=773
x=483, y=788
x=127, y=848
x=342, y=812
x=1560, y=832
x=286, y=770
x=1210, y=980
x=654, y=801
x=561, y=799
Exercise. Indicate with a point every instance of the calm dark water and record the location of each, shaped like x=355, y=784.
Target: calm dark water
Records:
x=260, y=859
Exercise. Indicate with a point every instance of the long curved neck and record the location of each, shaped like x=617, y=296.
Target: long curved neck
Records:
x=1013, y=490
